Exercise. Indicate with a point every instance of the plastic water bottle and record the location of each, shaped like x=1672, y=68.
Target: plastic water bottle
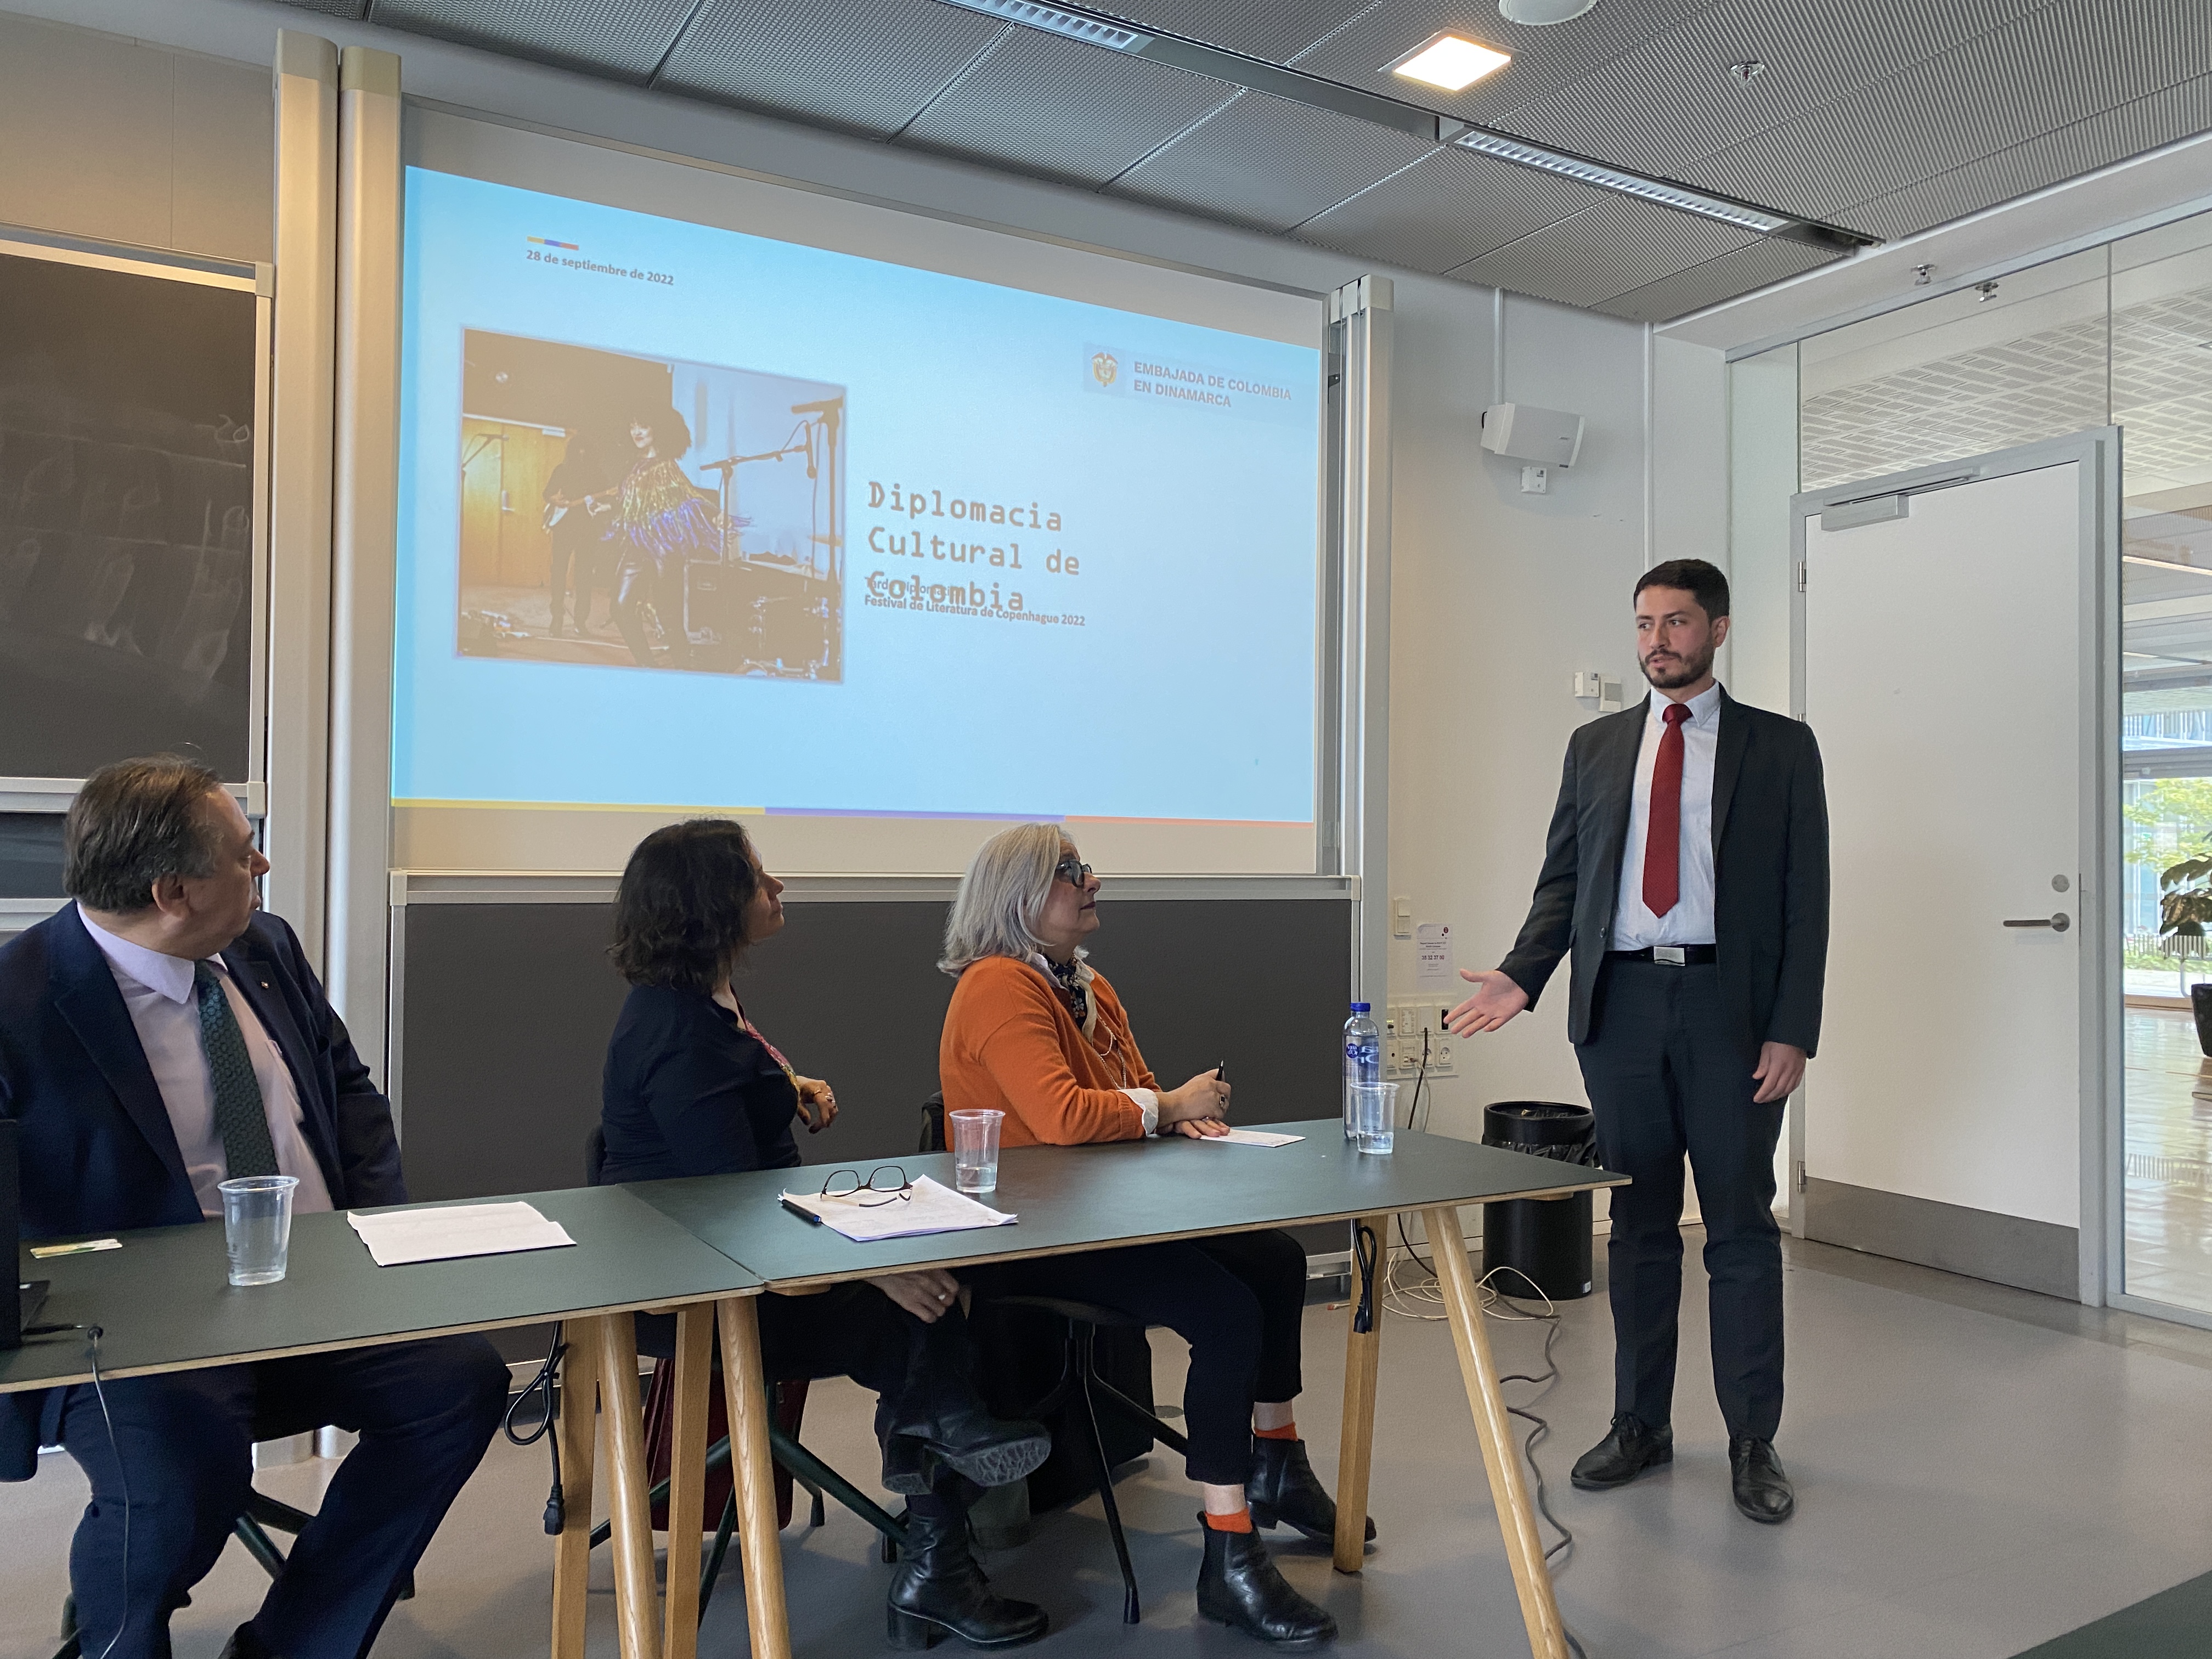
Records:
x=1363, y=1061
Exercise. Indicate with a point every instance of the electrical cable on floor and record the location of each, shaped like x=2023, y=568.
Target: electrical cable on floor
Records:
x=1399, y=1298
x=92, y=1336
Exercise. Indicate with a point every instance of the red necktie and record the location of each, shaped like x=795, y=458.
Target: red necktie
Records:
x=1662, y=832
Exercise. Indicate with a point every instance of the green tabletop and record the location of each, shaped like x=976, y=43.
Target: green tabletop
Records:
x=1078, y=1198
x=164, y=1303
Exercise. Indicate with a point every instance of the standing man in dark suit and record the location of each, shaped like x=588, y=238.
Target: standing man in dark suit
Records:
x=1687, y=869
x=156, y=1037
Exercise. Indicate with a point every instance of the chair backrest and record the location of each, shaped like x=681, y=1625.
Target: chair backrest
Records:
x=932, y=1124
x=595, y=1155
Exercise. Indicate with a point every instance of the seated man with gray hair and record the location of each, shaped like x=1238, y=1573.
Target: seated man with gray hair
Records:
x=158, y=1036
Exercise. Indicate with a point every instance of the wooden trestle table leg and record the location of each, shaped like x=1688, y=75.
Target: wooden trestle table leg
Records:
x=577, y=1434
x=687, y=1476
x=1363, y=1353
x=635, y=1600
x=745, y=1388
x=1509, y=1490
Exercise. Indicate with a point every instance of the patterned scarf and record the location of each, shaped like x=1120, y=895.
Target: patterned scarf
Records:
x=1068, y=979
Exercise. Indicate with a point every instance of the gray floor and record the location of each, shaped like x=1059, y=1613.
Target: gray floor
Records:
x=1978, y=1469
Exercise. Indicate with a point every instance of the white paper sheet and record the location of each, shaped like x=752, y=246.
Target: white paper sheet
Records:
x=934, y=1208
x=1432, y=956
x=454, y=1230
x=1248, y=1137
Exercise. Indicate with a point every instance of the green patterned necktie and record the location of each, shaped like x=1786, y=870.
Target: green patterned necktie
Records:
x=239, y=1115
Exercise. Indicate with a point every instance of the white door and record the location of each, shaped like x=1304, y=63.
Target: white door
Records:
x=1950, y=679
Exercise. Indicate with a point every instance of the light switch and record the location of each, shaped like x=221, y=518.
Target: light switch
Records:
x=1402, y=917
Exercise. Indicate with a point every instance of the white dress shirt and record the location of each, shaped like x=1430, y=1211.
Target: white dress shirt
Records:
x=1691, y=920
x=157, y=990
x=1147, y=1100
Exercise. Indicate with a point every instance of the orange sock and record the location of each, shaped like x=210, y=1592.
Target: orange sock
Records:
x=1239, y=1522
x=1288, y=1432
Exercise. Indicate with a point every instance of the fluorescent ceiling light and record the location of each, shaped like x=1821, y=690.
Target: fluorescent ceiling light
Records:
x=1449, y=62
x=1605, y=178
x=1058, y=19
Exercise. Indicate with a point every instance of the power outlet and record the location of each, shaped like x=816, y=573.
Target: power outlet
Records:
x=1415, y=1029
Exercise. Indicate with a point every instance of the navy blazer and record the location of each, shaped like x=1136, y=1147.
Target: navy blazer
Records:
x=98, y=1153
x=1770, y=872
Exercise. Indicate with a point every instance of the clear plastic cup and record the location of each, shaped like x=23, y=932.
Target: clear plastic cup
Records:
x=1375, y=1115
x=975, y=1150
x=257, y=1225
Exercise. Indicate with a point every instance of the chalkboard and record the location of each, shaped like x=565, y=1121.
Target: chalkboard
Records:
x=126, y=518
x=30, y=855
x=506, y=1009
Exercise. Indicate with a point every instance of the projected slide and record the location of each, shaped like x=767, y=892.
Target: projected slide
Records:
x=694, y=518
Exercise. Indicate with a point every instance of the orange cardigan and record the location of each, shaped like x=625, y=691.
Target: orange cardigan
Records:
x=1011, y=1045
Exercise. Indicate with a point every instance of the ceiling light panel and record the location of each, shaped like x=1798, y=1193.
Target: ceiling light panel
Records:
x=1075, y=25
x=1451, y=62
x=1605, y=178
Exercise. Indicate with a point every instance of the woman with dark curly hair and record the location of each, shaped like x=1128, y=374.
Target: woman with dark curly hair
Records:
x=662, y=522
x=692, y=1088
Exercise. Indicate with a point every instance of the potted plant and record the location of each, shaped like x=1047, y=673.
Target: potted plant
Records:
x=2185, y=905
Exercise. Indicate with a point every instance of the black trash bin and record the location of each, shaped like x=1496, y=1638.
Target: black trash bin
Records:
x=1545, y=1241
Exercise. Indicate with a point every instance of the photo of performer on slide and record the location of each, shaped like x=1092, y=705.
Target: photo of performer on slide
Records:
x=602, y=523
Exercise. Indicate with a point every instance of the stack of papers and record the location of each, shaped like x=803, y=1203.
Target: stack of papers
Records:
x=460, y=1229
x=864, y=1218
x=1248, y=1137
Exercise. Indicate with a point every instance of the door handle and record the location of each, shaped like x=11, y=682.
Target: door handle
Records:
x=2057, y=923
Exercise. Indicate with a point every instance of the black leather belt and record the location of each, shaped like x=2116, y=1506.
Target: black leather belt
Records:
x=1673, y=956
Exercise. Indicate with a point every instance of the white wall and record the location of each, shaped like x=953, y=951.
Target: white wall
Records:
x=1496, y=597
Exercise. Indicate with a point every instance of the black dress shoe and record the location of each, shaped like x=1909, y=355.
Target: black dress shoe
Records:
x=1239, y=1586
x=968, y=1440
x=938, y=1590
x=1762, y=1485
x=1625, y=1453
x=1280, y=1486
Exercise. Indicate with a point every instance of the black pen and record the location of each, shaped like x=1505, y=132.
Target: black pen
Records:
x=799, y=1210
x=1221, y=1072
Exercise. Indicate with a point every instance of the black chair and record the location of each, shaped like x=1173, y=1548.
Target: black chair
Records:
x=1080, y=1384
x=252, y=1528
x=819, y=1479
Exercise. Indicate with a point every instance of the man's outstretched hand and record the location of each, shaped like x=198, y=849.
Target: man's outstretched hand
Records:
x=1497, y=1000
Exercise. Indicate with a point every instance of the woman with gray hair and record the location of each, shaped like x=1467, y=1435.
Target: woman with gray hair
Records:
x=1035, y=1032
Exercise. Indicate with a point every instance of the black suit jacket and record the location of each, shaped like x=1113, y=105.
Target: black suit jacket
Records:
x=98, y=1153
x=1770, y=872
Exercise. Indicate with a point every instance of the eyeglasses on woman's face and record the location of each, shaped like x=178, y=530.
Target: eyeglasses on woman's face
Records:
x=887, y=1183
x=1073, y=871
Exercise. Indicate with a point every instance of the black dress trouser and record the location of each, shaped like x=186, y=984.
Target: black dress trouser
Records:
x=1238, y=1299
x=1666, y=1075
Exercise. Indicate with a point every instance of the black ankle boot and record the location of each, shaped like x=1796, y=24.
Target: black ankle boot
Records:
x=938, y=1590
x=1238, y=1586
x=1280, y=1486
x=968, y=1440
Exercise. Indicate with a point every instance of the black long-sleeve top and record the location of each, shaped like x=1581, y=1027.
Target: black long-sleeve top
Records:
x=688, y=1090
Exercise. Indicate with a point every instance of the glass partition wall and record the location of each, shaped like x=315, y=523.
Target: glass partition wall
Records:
x=2119, y=335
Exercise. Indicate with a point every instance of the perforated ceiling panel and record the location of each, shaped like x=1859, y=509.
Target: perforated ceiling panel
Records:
x=1263, y=161
x=1883, y=116
x=1070, y=111
x=1617, y=245
x=2057, y=65
x=1765, y=261
x=2108, y=137
x=624, y=38
x=1446, y=210
x=1813, y=55
x=864, y=65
